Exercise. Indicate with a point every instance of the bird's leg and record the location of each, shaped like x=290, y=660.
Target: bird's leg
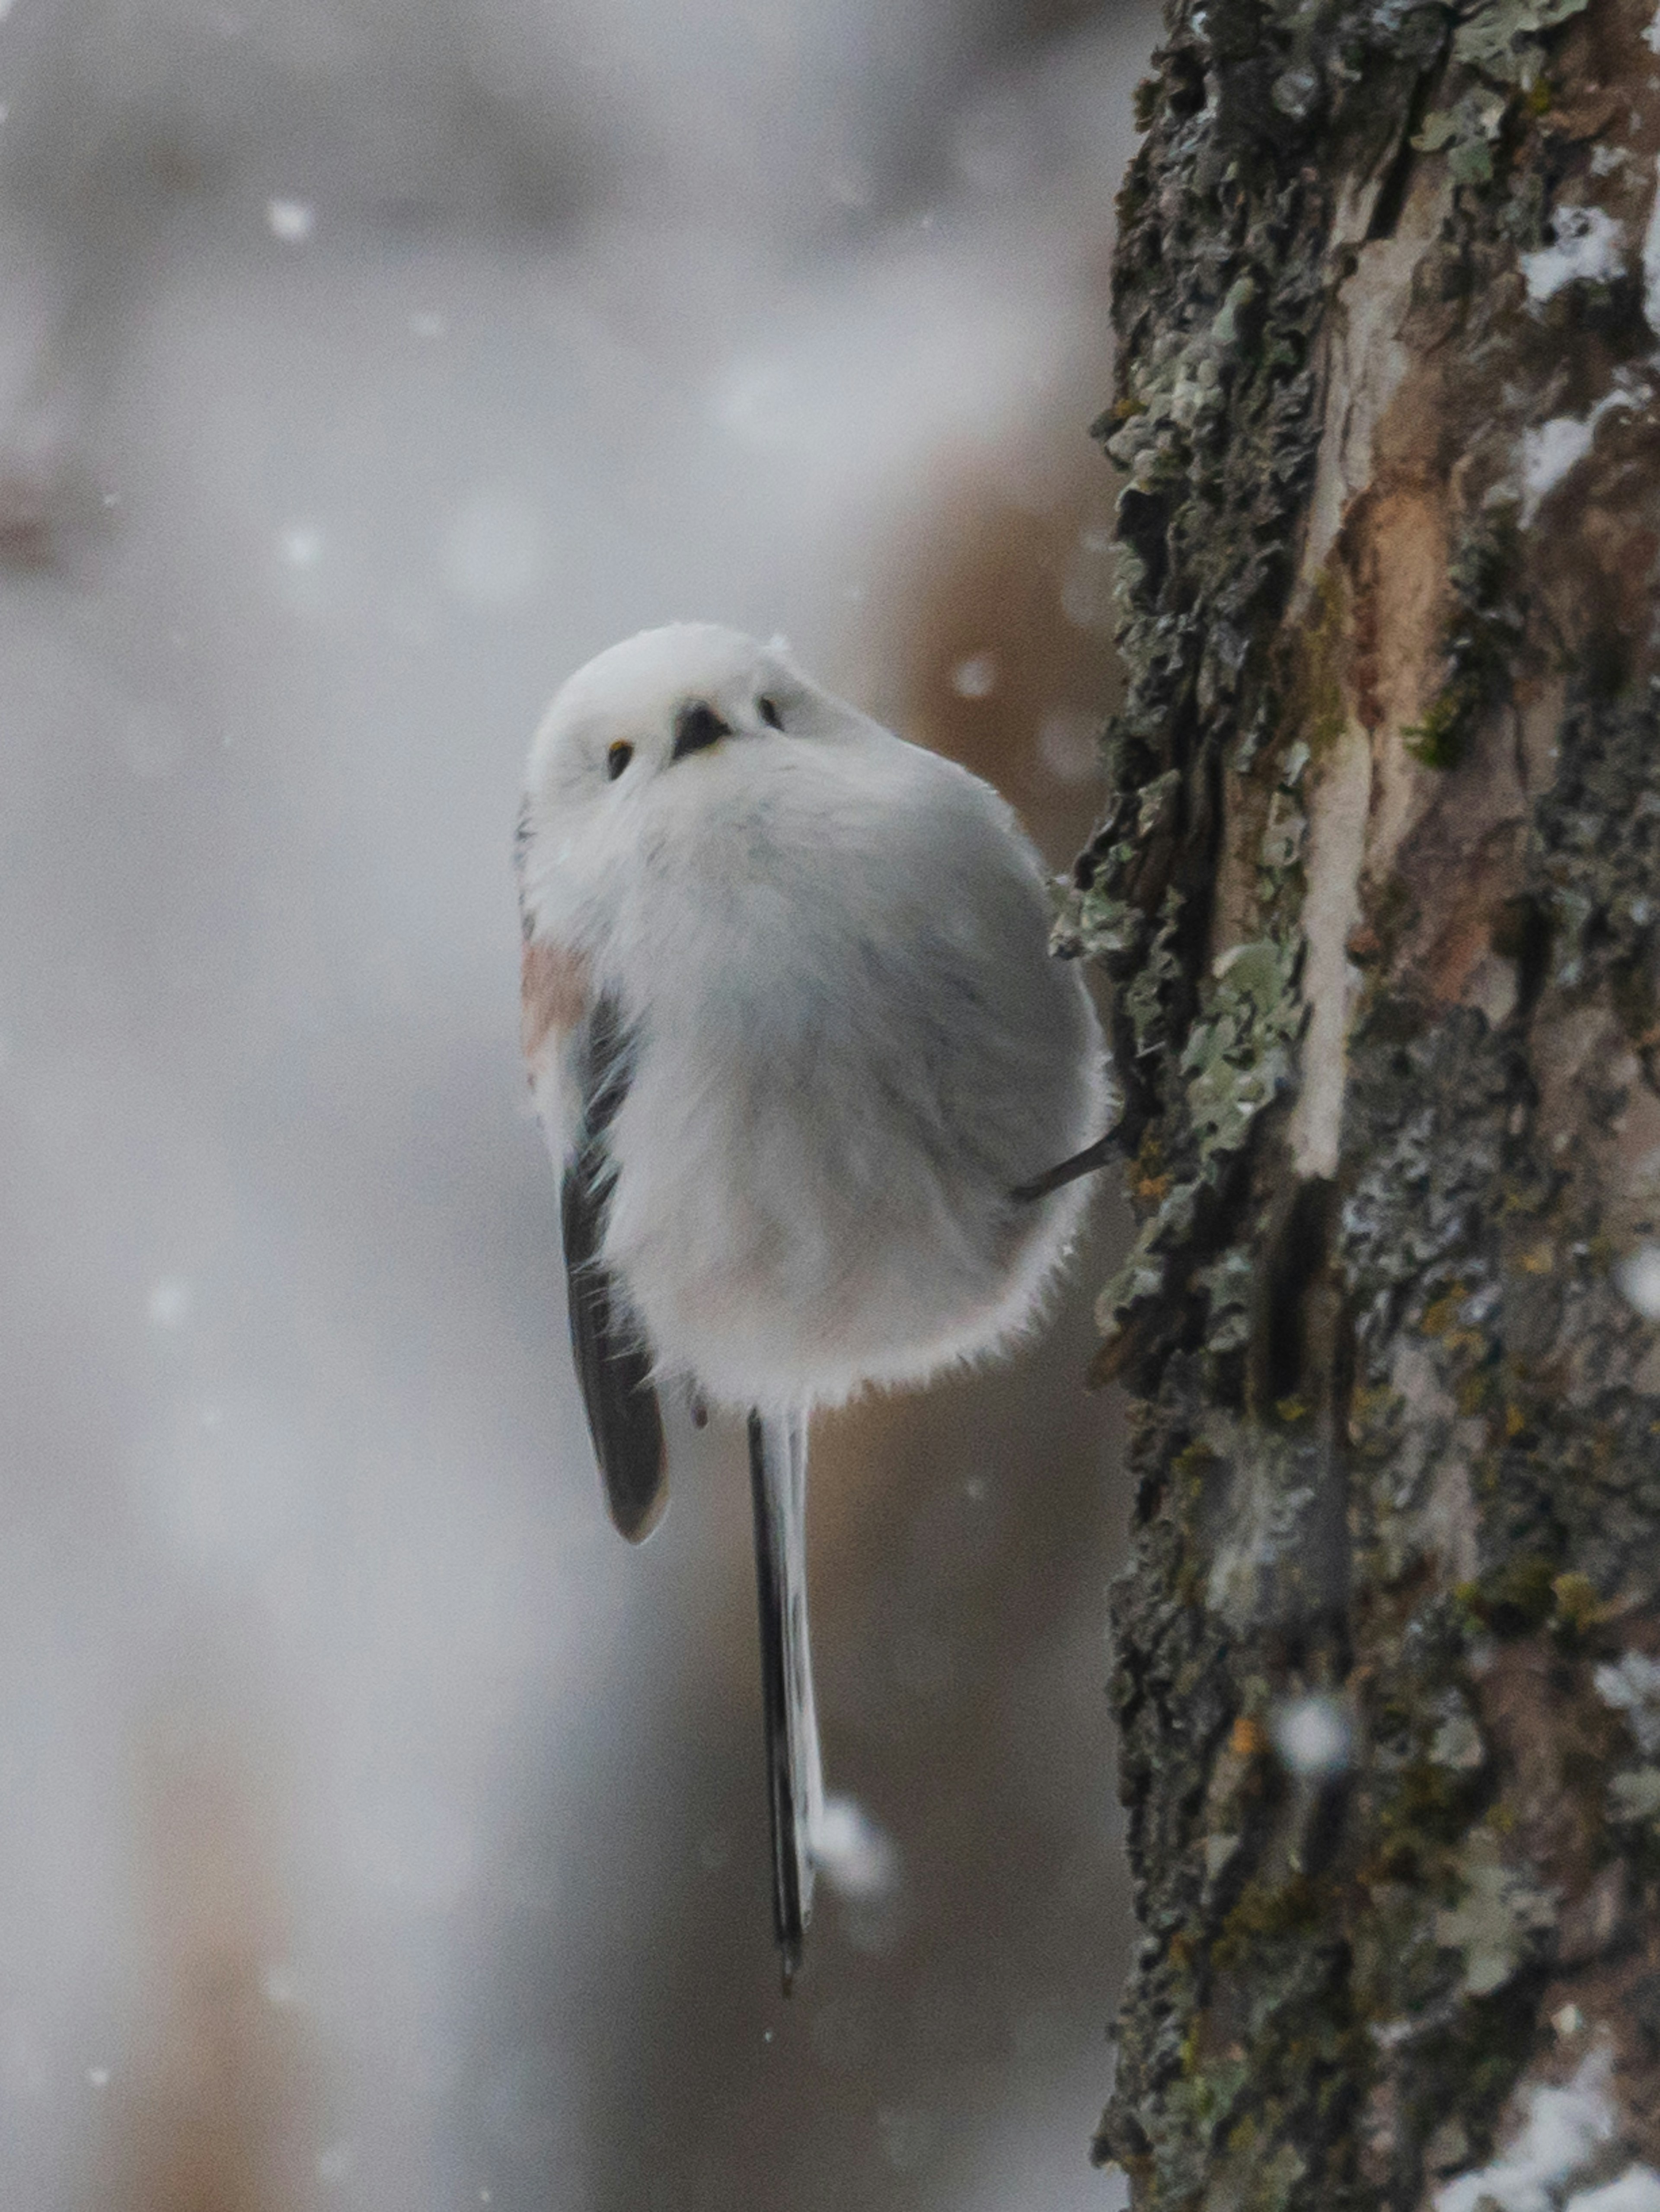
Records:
x=1092, y=1156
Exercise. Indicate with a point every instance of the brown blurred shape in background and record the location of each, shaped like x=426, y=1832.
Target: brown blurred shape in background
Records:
x=381, y=1835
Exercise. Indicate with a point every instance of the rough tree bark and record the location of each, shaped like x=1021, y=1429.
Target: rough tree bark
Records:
x=1378, y=887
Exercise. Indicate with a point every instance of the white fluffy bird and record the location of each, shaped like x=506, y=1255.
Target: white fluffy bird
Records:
x=805, y=1068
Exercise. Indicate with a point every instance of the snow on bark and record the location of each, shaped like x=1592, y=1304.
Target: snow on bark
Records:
x=1378, y=887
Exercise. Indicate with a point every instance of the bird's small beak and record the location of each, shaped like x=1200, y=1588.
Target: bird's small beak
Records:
x=697, y=726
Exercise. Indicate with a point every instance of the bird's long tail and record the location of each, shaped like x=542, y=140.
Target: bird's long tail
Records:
x=795, y=1787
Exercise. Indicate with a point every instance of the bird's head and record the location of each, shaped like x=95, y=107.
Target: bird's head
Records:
x=655, y=738
x=653, y=704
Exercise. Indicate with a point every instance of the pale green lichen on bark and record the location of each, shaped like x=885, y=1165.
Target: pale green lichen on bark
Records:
x=1309, y=1950
x=1496, y=53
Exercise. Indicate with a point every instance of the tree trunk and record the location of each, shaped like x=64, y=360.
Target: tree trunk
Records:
x=1378, y=888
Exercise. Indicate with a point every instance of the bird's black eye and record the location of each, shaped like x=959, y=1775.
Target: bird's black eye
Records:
x=768, y=710
x=618, y=759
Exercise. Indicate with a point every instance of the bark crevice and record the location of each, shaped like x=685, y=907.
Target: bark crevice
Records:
x=1378, y=890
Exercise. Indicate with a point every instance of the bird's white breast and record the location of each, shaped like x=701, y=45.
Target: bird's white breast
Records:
x=851, y=1043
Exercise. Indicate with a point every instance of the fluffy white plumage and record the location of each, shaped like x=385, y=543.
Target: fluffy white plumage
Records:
x=850, y=1043
x=796, y=1041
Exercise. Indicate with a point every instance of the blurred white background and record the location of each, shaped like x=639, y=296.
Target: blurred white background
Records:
x=376, y=1830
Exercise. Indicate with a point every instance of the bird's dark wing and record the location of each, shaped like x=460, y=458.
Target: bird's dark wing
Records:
x=613, y=1364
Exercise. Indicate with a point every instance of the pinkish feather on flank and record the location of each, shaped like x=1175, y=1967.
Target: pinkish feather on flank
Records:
x=553, y=995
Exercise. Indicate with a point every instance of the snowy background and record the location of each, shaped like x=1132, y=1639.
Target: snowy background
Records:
x=376, y=1830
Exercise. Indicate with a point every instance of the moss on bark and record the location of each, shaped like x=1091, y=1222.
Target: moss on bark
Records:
x=1378, y=890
